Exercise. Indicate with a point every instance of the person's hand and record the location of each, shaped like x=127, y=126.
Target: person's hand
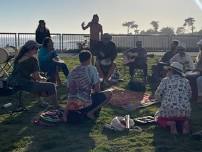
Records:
x=82, y=24
x=43, y=78
x=57, y=59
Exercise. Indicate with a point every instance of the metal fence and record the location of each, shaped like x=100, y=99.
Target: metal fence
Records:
x=66, y=42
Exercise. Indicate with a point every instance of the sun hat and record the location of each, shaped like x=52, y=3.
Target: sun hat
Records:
x=106, y=36
x=199, y=43
x=178, y=67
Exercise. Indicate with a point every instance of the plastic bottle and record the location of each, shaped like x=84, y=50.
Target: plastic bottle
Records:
x=128, y=121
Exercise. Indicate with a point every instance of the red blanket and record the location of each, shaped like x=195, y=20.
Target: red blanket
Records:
x=129, y=99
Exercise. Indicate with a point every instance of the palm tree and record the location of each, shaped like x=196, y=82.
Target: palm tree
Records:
x=135, y=26
x=155, y=25
x=190, y=23
x=128, y=25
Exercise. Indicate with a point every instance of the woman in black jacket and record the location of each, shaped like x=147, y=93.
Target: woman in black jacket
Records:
x=42, y=32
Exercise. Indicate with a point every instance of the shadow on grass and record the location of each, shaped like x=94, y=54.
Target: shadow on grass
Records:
x=19, y=134
x=164, y=141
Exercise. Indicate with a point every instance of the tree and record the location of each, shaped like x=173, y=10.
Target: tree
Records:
x=155, y=25
x=167, y=30
x=149, y=31
x=190, y=23
x=180, y=30
x=135, y=26
x=200, y=32
x=128, y=25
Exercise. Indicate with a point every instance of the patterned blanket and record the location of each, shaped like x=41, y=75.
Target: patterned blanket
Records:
x=130, y=100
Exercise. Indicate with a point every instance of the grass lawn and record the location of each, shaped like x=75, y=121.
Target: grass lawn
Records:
x=17, y=133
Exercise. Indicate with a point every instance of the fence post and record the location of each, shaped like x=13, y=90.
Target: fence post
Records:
x=18, y=40
x=62, y=42
x=134, y=41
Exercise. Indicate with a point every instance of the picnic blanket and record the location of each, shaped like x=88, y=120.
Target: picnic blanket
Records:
x=130, y=100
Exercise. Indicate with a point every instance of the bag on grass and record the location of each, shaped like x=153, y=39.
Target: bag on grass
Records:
x=136, y=86
x=52, y=116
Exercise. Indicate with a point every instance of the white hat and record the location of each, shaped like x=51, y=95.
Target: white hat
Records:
x=199, y=42
x=177, y=67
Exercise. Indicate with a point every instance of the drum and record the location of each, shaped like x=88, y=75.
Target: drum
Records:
x=106, y=62
x=7, y=53
x=192, y=76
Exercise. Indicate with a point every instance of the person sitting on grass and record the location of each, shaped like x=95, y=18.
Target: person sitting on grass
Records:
x=198, y=68
x=136, y=58
x=174, y=93
x=26, y=76
x=158, y=73
x=184, y=58
x=106, y=54
x=50, y=62
x=84, y=96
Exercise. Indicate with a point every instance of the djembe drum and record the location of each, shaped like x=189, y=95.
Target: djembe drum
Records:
x=192, y=76
x=7, y=55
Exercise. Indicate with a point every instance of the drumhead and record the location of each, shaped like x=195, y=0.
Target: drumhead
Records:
x=11, y=50
x=3, y=55
x=192, y=73
x=106, y=62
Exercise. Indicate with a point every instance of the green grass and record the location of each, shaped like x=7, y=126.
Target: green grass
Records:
x=17, y=133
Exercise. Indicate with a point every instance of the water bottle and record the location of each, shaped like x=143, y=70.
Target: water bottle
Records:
x=7, y=105
x=127, y=121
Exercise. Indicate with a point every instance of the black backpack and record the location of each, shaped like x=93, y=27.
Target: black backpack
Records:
x=136, y=86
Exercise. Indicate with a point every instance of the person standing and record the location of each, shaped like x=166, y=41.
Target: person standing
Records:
x=96, y=33
x=42, y=32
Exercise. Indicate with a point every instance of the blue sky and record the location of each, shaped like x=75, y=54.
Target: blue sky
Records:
x=65, y=16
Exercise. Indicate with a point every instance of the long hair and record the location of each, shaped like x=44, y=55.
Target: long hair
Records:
x=29, y=45
x=95, y=18
x=39, y=28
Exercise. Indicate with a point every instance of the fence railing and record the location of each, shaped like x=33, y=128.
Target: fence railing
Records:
x=66, y=42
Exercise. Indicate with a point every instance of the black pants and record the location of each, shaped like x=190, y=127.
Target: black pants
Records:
x=78, y=116
x=137, y=65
